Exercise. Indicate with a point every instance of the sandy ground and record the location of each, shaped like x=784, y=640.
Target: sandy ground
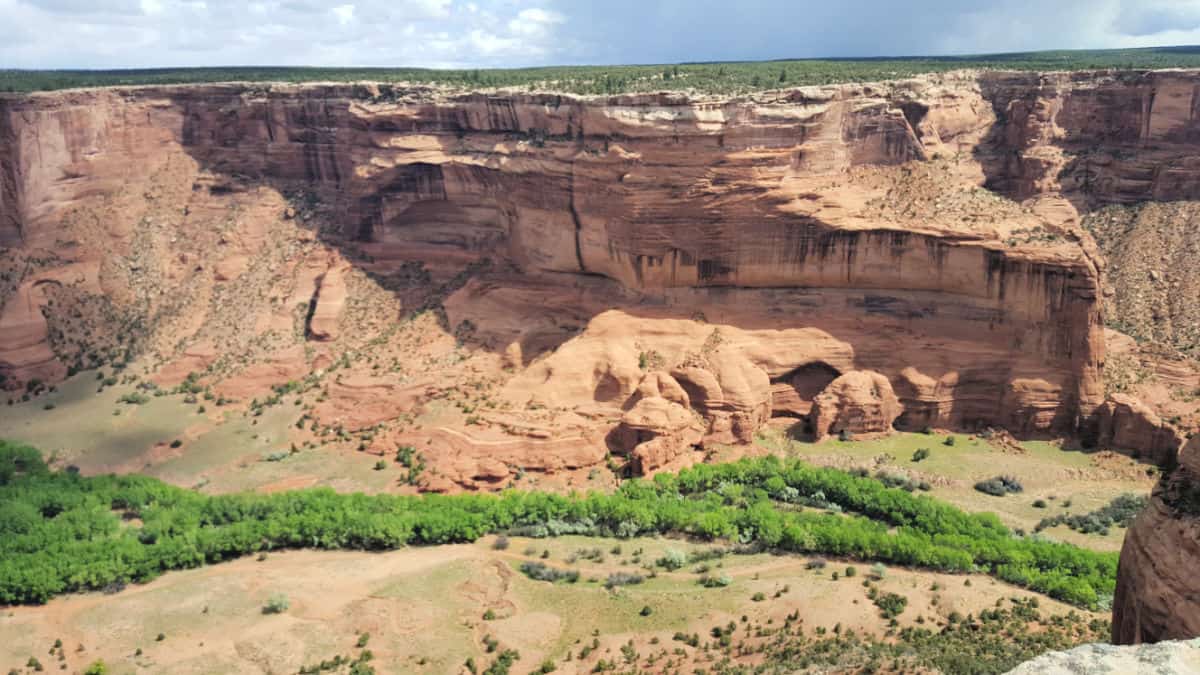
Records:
x=424, y=609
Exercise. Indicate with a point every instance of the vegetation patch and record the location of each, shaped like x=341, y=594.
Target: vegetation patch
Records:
x=542, y=572
x=62, y=532
x=1000, y=486
x=1120, y=512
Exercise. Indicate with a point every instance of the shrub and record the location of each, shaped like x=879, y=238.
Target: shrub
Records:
x=501, y=543
x=815, y=564
x=878, y=571
x=950, y=441
x=920, y=454
x=489, y=615
x=276, y=604
x=96, y=668
x=646, y=611
x=672, y=559
x=1000, y=486
x=1120, y=512
x=503, y=662
x=617, y=579
x=891, y=605
x=543, y=572
x=758, y=597
x=851, y=571
x=176, y=443
x=720, y=581
x=1039, y=503
x=380, y=465
x=134, y=398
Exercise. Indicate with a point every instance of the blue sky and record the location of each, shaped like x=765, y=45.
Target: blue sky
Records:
x=501, y=33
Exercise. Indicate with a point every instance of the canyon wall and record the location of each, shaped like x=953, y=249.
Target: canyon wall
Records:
x=595, y=253
x=1157, y=588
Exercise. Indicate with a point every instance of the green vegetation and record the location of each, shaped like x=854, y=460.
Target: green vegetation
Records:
x=920, y=454
x=891, y=605
x=1120, y=512
x=709, y=78
x=1000, y=486
x=60, y=531
x=543, y=572
x=994, y=642
x=276, y=604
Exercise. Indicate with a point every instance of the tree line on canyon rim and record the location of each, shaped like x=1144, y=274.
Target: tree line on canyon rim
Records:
x=63, y=532
x=708, y=78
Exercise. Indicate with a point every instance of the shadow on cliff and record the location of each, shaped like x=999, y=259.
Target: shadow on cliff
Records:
x=454, y=236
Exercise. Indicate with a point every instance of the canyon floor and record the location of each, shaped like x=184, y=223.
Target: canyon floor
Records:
x=230, y=448
x=423, y=607
x=424, y=610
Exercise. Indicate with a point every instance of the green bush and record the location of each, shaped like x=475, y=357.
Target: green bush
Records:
x=920, y=454
x=1000, y=486
x=890, y=605
x=672, y=559
x=276, y=604
x=543, y=572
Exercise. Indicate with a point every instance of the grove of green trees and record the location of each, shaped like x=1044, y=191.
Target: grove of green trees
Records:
x=63, y=532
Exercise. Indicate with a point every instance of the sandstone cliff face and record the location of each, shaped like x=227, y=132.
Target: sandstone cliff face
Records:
x=1158, y=593
x=754, y=250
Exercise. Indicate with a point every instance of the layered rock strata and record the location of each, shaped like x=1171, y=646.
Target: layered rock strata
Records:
x=751, y=251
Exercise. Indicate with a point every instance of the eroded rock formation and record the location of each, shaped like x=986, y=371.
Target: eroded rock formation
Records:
x=1158, y=592
x=751, y=251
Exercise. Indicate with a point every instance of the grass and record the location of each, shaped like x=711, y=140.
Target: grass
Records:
x=709, y=78
x=223, y=452
x=1045, y=469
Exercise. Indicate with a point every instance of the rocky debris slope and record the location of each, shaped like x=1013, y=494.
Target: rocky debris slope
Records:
x=1152, y=251
x=1164, y=658
x=506, y=270
x=1158, y=592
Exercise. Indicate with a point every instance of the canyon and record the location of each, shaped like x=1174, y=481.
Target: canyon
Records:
x=640, y=275
x=507, y=282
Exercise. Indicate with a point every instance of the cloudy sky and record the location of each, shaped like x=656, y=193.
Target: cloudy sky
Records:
x=483, y=33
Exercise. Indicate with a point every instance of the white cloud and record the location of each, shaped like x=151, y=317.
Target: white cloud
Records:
x=146, y=33
x=534, y=21
x=497, y=33
x=344, y=13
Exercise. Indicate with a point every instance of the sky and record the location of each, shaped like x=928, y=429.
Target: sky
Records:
x=512, y=33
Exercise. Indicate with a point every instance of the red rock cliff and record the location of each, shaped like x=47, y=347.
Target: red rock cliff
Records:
x=747, y=251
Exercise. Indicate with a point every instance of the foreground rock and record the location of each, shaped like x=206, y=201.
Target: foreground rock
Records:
x=1164, y=658
x=1158, y=589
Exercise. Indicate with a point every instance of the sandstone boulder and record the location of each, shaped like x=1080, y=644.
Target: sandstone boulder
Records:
x=655, y=432
x=730, y=392
x=1126, y=424
x=859, y=402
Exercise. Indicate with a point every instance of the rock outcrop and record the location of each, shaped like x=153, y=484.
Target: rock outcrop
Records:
x=752, y=249
x=859, y=402
x=1158, y=592
x=1177, y=657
